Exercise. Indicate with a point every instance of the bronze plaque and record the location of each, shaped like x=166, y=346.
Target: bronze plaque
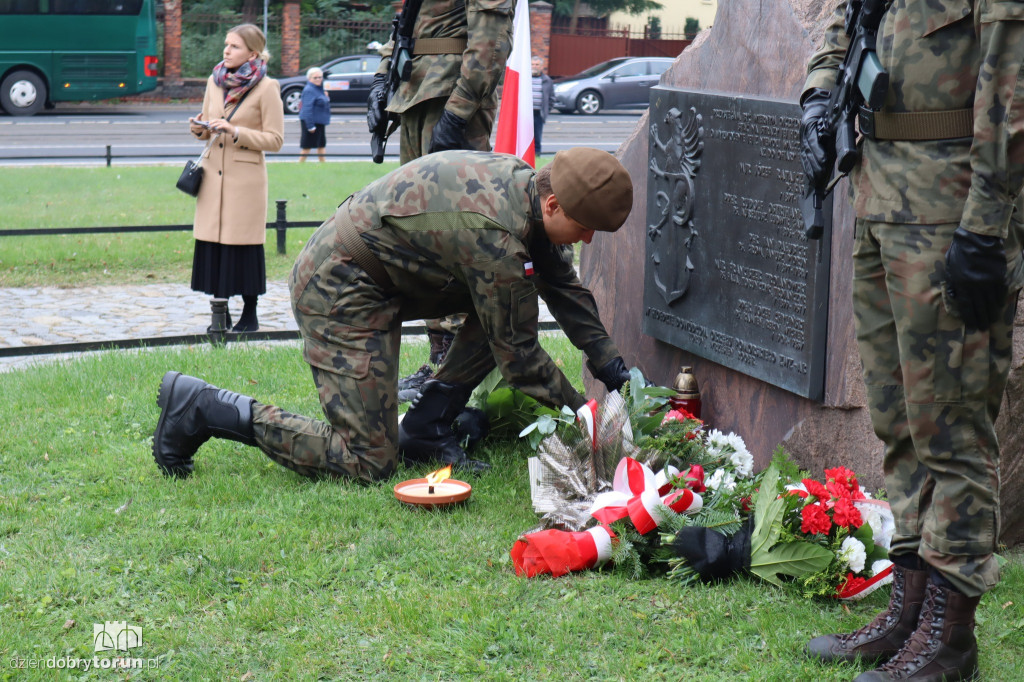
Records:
x=729, y=274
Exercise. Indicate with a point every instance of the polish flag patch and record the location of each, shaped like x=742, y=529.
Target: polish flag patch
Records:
x=528, y=268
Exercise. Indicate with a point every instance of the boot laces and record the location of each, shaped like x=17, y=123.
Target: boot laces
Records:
x=921, y=643
x=883, y=620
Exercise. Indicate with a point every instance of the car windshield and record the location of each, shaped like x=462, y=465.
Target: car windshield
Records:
x=599, y=68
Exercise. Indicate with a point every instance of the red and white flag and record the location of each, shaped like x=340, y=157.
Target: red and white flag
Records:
x=515, y=113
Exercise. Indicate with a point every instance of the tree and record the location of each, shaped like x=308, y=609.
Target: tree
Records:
x=692, y=27
x=571, y=8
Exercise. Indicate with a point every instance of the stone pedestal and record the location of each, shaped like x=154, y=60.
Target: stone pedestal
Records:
x=760, y=48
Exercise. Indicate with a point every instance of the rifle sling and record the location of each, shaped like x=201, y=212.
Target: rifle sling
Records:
x=360, y=252
x=439, y=46
x=916, y=125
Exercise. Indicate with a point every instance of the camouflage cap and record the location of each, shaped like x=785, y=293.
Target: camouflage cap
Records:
x=592, y=188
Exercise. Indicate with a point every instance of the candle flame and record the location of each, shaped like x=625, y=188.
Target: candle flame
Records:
x=439, y=475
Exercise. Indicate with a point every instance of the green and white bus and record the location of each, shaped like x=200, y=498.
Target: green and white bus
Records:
x=74, y=50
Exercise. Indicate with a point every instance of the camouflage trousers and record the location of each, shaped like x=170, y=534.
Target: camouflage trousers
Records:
x=351, y=334
x=934, y=392
x=417, y=126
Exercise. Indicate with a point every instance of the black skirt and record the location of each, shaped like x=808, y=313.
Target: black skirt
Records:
x=223, y=270
x=313, y=140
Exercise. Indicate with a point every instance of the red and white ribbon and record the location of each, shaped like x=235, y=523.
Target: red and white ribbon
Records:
x=636, y=493
x=588, y=417
x=558, y=551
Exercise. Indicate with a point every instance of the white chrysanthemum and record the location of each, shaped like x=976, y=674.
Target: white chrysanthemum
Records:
x=722, y=479
x=740, y=456
x=853, y=554
x=717, y=443
x=879, y=565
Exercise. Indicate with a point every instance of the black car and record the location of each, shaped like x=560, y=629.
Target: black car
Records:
x=347, y=82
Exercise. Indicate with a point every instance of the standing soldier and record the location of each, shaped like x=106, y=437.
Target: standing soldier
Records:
x=462, y=231
x=937, y=269
x=448, y=102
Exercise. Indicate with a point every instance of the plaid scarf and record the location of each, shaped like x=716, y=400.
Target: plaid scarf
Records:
x=237, y=83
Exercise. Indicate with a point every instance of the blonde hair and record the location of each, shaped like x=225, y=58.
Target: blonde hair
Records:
x=253, y=38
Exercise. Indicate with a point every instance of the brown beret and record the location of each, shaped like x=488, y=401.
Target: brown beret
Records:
x=592, y=188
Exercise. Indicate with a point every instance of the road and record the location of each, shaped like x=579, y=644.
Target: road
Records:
x=157, y=133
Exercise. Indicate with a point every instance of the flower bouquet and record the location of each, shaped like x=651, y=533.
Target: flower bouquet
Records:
x=594, y=484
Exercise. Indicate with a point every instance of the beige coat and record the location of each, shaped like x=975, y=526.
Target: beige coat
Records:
x=232, y=203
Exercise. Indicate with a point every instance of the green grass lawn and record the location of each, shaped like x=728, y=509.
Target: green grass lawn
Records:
x=49, y=197
x=247, y=571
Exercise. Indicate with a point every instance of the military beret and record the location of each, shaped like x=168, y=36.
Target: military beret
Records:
x=592, y=188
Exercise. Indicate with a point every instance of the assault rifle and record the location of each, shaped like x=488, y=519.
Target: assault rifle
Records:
x=861, y=82
x=399, y=70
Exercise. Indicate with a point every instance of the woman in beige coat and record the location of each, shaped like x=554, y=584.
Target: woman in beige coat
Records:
x=231, y=210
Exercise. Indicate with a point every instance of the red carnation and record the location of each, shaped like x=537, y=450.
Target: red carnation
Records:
x=815, y=520
x=679, y=415
x=695, y=478
x=846, y=514
x=816, y=489
x=847, y=479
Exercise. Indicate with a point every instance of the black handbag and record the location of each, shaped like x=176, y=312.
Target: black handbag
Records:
x=191, y=177
x=192, y=174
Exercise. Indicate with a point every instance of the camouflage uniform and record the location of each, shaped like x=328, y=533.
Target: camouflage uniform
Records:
x=456, y=231
x=934, y=389
x=465, y=83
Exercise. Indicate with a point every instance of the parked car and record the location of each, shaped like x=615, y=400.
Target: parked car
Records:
x=347, y=81
x=622, y=82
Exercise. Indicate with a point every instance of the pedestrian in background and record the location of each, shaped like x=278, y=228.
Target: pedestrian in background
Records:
x=448, y=102
x=243, y=114
x=936, y=273
x=314, y=115
x=543, y=91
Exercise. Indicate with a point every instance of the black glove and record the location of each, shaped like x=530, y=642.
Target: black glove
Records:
x=471, y=427
x=976, y=278
x=713, y=555
x=449, y=133
x=377, y=102
x=817, y=142
x=613, y=375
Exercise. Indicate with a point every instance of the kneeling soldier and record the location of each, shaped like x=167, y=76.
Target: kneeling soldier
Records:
x=457, y=231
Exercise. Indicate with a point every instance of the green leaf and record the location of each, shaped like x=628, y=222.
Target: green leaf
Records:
x=769, y=560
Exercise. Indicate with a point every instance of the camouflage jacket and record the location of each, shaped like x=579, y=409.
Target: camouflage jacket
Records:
x=469, y=79
x=461, y=231
x=942, y=55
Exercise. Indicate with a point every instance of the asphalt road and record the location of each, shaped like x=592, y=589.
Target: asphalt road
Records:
x=158, y=133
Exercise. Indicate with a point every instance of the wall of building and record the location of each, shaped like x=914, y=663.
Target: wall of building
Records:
x=673, y=15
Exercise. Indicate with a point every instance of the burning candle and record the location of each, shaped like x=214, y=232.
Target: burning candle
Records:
x=435, y=477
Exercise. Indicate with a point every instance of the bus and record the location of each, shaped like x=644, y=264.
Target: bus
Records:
x=74, y=50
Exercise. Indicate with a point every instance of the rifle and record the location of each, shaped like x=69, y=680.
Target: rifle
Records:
x=399, y=70
x=860, y=82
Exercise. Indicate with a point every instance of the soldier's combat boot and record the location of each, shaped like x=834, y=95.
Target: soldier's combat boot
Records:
x=409, y=387
x=440, y=342
x=425, y=433
x=191, y=411
x=883, y=637
x=942, y=647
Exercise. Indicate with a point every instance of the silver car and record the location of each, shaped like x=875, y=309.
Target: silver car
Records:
x=622, y=82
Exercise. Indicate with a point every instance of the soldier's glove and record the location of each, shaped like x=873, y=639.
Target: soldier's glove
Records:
x=817, y=140
x=377, y=102
x=713, y=555
x=449, y=133
x=976, y=278
x=471, y=427
x=613, y=375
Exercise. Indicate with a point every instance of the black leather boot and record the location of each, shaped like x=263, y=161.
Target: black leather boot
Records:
x=191, y=411
x=425, y=433
x=883, y=637
x=942, y=647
